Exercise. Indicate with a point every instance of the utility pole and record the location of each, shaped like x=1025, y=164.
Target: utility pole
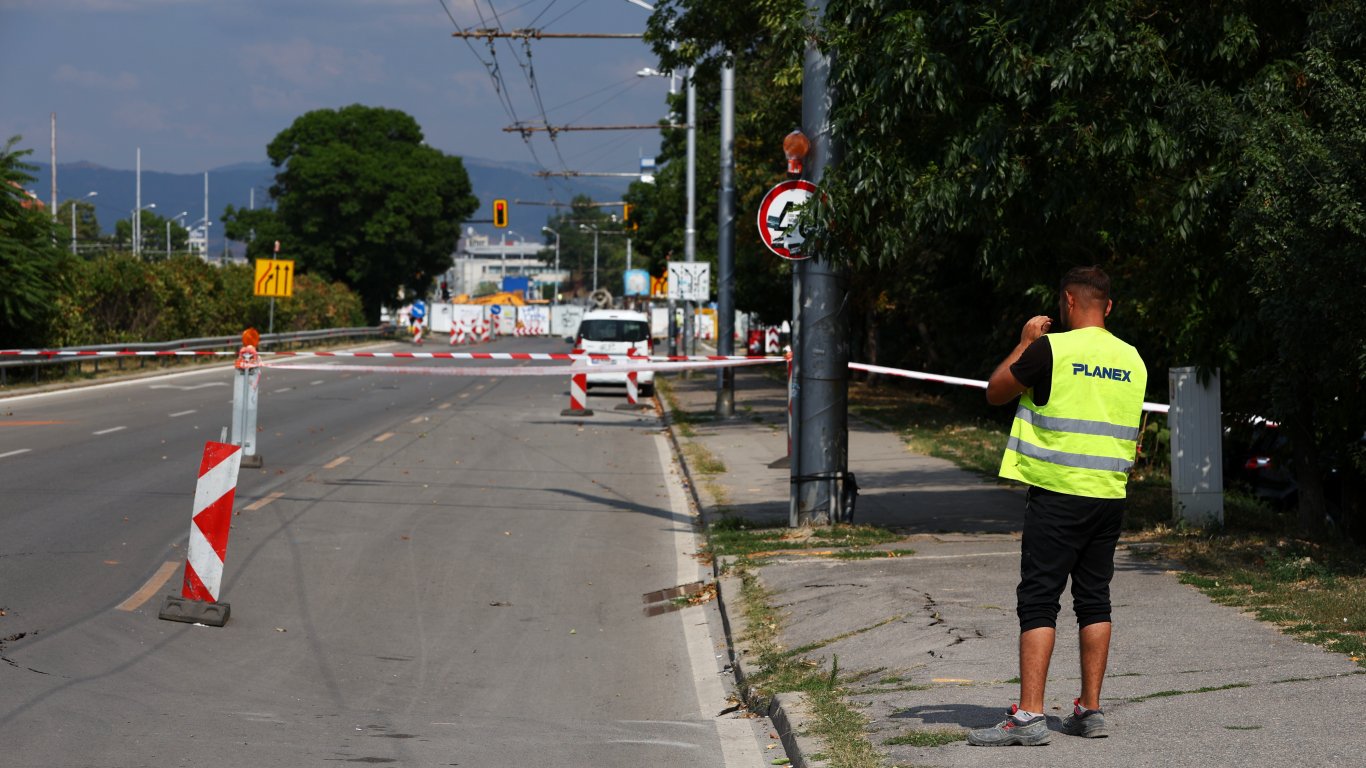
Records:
x=137, y=211
x=725, y=243
x=690, y=226
x=54, y=167
x=821, y=327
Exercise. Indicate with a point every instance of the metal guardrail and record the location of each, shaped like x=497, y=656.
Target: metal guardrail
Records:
x=268, y=341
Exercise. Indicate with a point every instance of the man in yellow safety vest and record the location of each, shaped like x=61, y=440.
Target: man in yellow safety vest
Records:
x=1073, y=441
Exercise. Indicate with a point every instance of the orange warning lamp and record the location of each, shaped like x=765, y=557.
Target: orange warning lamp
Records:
x=251, y=338
x=795, y=146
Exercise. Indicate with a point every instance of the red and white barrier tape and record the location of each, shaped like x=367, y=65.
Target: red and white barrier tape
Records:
x=545, y=370
x=1151, y=407
x=395, y=355
x=653, y=363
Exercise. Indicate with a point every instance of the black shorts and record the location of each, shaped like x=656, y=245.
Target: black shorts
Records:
x=1064, y=536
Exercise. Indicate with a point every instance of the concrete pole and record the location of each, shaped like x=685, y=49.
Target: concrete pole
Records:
x=822, y=324
x=725, y=243
x=690, y=228
x=137, y=209
x=54, y=166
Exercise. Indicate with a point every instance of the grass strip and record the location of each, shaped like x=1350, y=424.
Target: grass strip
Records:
x=840, y=727
x=936, y=737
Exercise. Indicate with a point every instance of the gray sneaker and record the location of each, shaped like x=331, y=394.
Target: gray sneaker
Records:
x=1030, y=733
x=1087, y=723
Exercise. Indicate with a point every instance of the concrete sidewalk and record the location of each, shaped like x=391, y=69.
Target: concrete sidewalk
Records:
x=1190, y=682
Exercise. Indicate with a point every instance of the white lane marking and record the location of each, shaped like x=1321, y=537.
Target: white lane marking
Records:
x=107, y=431
x=183, y=413
x=654, y=743
x=315, y=383
x=738, y=745
x=14, y=453
x=187, y=388
x=282, y=389
x=219, y=369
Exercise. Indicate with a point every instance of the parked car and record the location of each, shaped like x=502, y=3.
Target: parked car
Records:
x=617, y=332
x=1257, y=457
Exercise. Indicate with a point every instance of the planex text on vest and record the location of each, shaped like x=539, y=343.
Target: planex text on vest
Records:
x=1114, y=374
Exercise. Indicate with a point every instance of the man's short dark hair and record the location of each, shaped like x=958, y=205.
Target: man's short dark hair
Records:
x=1090, y=282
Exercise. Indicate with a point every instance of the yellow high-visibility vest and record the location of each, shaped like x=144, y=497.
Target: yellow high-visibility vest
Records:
x=1083, y=441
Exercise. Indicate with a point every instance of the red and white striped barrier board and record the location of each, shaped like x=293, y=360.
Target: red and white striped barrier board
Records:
x=578, y=396
x=771, y=340
x=457, y=332
x=208, y=547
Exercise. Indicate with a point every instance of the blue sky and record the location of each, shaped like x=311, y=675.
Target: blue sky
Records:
x=199, y=84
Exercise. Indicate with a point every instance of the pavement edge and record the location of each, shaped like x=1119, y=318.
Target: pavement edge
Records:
x=790, y=712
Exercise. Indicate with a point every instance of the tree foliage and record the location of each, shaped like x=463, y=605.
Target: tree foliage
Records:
x=30, y=262
x=119, y=298
x=1208, y=156
x=363, y=200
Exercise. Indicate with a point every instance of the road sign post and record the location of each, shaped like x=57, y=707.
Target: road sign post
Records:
x=274, y=277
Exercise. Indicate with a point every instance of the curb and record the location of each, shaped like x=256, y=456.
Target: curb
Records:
x=790, y=712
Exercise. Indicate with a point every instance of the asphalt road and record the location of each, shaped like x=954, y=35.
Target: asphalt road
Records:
x=428, y=570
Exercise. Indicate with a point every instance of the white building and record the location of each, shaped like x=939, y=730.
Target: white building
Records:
x=478, y=261
x=198, y=242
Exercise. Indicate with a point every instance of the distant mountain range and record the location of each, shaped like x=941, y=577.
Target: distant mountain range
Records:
x=233, y=185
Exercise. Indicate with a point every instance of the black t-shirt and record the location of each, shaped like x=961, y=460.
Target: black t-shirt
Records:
x=1034, y=369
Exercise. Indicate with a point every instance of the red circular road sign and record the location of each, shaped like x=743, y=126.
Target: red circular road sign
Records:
x=778, y=218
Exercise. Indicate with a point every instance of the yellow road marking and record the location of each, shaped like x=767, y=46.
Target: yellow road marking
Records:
x=255, y=505
x=418, y=420
x=337, y=462
x=443, y=406
x=152, y=586
x=384, y=437
x=29, y=423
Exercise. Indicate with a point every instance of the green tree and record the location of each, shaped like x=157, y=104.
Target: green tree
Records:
x=1302, y=227
x=1204, y=154
x=87, y=224
x=31, y=264
x=259, y=228
x=363, y=200
x=576, y=247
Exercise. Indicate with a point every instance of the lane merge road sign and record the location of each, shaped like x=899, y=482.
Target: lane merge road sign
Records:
x=274, y=277
x=778, y=215
x=689, y=280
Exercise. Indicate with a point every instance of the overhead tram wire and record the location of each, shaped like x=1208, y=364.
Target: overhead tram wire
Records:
x=499, y=88
x=529, y=72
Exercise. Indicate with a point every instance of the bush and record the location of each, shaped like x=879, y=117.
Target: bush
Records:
x=119, y=298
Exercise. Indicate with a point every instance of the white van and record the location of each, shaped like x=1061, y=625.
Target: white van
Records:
x=616, y=332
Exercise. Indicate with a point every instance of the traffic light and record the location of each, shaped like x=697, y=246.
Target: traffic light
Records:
x=626, y=212
x=500, y=213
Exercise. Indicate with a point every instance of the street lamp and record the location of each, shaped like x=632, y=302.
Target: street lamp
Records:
x=137, y=225
x=180, y=215
x=593, y=227
x=556, y=297
x=88, y=195
x=205, y=223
